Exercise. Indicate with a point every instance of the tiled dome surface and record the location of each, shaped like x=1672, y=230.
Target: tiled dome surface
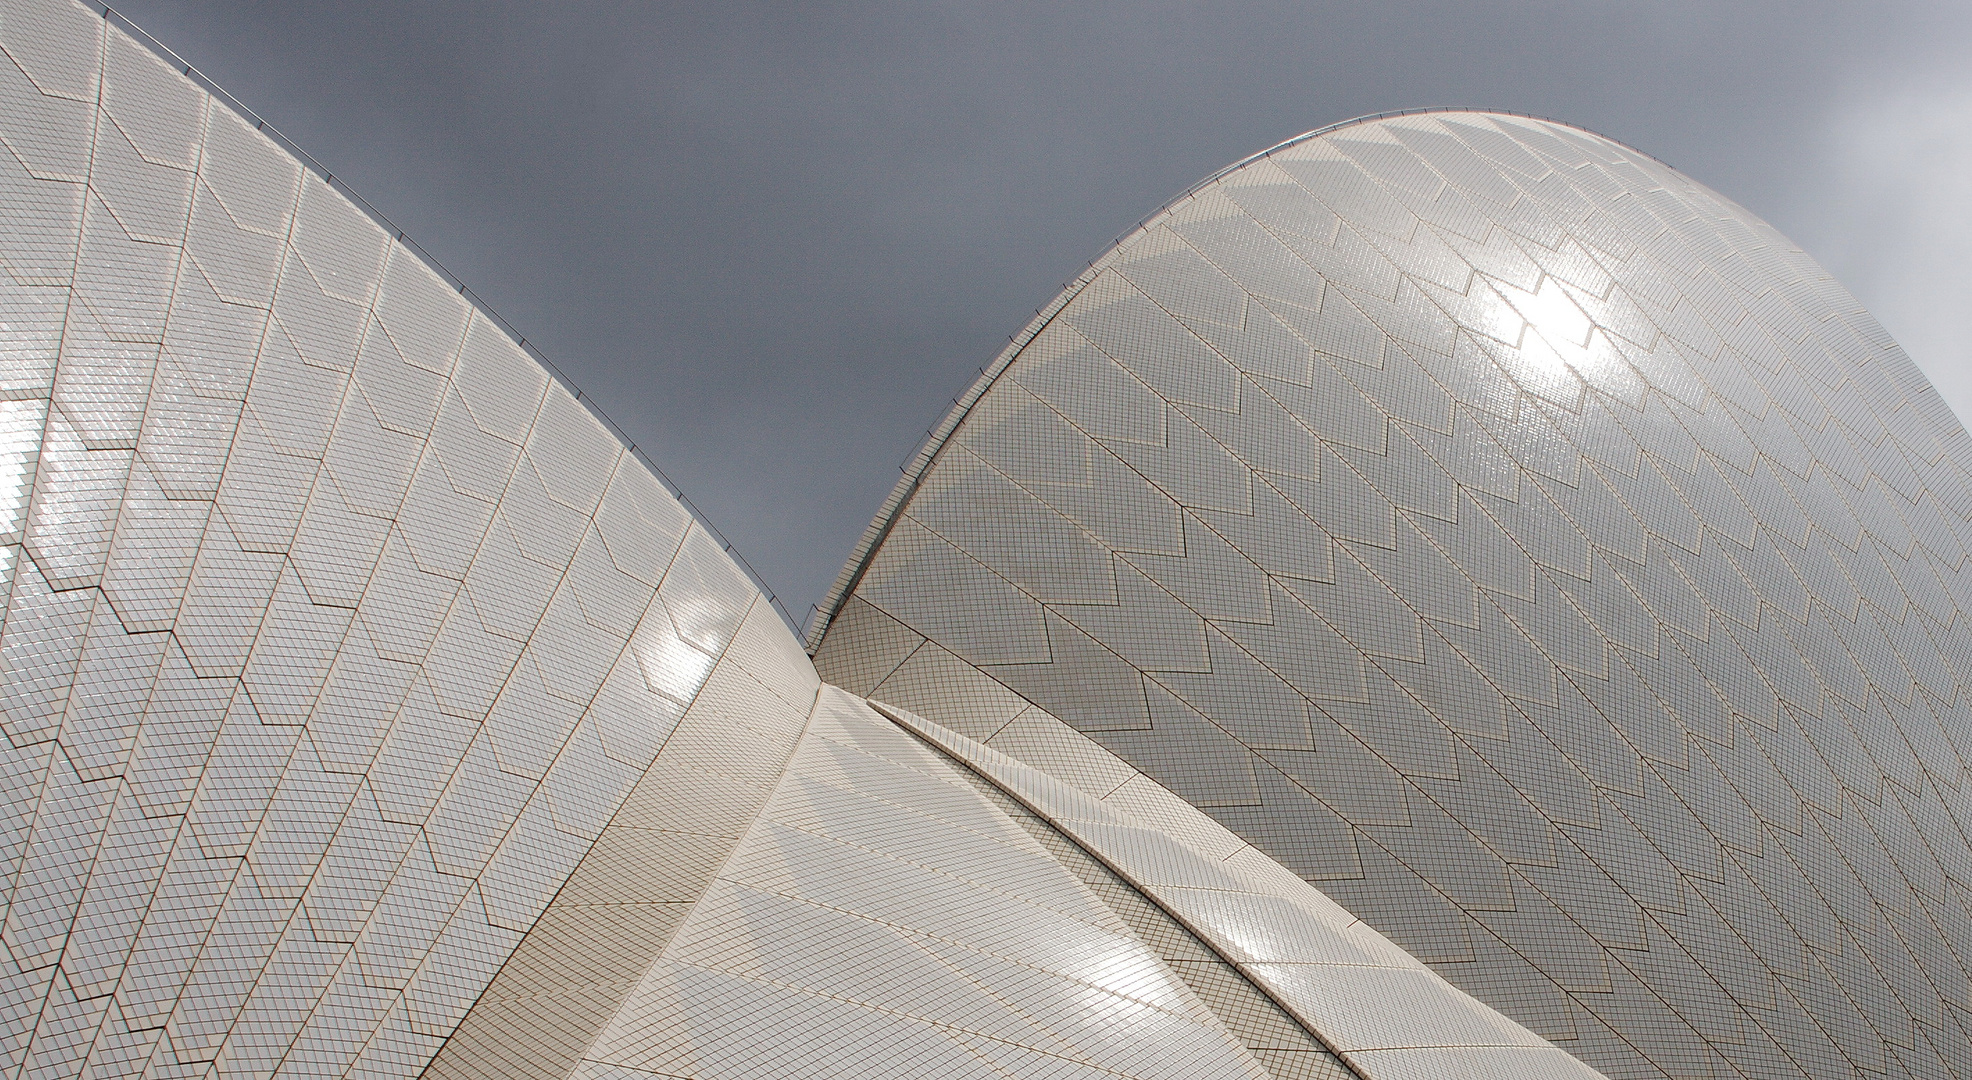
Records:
x=332, y=630
x=1522, y=542
x=371, y=711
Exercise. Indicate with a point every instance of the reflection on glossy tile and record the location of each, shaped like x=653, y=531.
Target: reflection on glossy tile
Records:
x=883, y=917
x=1514, y=538
x=335, y=632
x=1337, y=978
x=1468, y=513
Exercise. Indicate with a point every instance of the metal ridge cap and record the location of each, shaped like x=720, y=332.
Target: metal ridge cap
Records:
x=1366, y=118
x=309, y=162
x=930, y=446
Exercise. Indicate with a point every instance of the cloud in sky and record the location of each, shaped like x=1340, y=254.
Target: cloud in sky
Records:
x=773, y=240
x=1895, y=195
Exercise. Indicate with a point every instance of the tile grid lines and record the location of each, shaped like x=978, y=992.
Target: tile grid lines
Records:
x=957, y=542
x=929, y=449
x=263, y=847
x=207, y=84
x=682, y=875
x=861, y=792
x=932, y=442
x=99, y=116
x=1256, y=1019
x=1372, y=660
x=1701, y=880
x=1367, y=658
x=1563, y=672
x=1897, y=586
x=1330, y=129
x=1205, y=907
x=1206, y=937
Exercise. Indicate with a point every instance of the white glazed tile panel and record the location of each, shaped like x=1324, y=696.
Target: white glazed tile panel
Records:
x=1341, y=980
x=1518, y=540
x=311, y=587
x=882, y=918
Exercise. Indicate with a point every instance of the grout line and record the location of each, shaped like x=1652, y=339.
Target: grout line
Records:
x=403, y=239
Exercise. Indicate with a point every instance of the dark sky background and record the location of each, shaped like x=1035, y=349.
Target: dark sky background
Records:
x=773, y=241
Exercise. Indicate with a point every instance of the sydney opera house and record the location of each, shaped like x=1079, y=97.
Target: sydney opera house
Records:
x=1448, y=596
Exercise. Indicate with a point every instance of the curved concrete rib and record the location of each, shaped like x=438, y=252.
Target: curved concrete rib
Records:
x=1382, y=1011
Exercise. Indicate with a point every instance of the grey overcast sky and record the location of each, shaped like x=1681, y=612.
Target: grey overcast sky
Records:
x=773, y=240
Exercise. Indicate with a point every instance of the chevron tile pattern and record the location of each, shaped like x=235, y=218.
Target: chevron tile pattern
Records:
x=334, y=631
x=1449, y=595
x=1378, y=1010
x=882, y=919
x=1521, y=542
